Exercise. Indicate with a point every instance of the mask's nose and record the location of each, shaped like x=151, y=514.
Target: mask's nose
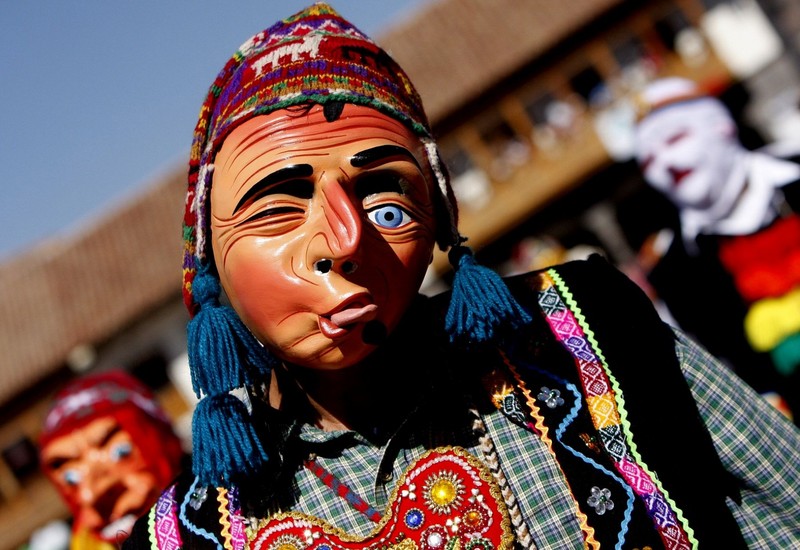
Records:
x=324, y=265
x=336, y=245
x=96, y=498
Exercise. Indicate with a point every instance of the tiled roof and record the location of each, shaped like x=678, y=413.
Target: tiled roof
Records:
x=453, y=50
x=88, y=286
x=84, y=288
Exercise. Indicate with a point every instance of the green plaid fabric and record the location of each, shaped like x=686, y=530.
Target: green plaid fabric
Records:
x=745, y=430
x=769, y=514
x=758, y=449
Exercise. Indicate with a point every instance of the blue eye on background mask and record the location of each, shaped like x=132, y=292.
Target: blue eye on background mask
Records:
x=121, y=450
x=72, y=477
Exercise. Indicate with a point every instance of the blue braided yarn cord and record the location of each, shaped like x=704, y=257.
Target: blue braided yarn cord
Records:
x=559, y=432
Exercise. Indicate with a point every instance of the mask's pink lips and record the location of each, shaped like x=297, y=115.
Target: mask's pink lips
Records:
x=336, y=324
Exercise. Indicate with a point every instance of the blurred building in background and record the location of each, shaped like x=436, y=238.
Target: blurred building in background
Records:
x=533, y=104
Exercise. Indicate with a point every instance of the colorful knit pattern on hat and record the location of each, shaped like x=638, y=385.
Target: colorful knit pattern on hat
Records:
x=312, y=56
x=94, y=396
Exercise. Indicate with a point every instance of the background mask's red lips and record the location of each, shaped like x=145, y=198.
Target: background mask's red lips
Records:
x=678, y=174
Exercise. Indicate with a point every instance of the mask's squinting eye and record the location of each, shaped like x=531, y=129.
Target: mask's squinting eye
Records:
x=675, y=138
x=72, y=477
x=121, y=450
x=389, y=216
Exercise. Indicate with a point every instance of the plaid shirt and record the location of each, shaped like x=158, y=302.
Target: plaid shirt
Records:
x=758, y=448
x=755, y=443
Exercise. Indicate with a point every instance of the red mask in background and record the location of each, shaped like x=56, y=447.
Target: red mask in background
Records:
x=109, y=450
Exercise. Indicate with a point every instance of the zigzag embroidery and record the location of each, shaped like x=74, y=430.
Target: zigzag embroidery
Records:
x=559, y=432
x=606, y=407
x=230, y=519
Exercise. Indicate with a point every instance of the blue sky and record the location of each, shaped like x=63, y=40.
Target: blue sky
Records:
x=99, y=97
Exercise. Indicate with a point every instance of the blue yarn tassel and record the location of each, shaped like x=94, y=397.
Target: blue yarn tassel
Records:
x=213, y=351
x=480, y=302
x=219, y=347
x=225, y=443
x=220, y=351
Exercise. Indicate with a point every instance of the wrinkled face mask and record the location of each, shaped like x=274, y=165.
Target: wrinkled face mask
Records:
x=322, y=231
x=687, y=152
x=103, y=475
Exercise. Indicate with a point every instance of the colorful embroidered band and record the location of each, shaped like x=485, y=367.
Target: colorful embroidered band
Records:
x=606, y=407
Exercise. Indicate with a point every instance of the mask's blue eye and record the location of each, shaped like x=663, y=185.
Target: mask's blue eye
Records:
x=72, y=477
x=121, y=450
x=390, y=215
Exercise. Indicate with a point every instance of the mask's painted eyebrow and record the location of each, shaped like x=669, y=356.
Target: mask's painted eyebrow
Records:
x=106, y=436
x=370, y=156
x=60, y=458
x=287, y=173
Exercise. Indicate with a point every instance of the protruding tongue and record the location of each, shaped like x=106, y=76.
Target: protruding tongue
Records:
x=354, y=315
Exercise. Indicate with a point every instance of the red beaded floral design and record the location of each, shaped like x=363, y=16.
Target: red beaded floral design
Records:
x=446, y=499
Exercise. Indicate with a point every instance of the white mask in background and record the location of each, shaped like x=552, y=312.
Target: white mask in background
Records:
x=688, y=151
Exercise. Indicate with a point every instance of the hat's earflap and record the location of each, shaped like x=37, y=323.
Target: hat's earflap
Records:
x=222, y=351
x=480, y=302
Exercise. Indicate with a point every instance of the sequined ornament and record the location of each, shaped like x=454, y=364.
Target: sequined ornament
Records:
x=198, y=497
x=600, y=500
x=414, y=518
x=551, y=398
x=443, y=492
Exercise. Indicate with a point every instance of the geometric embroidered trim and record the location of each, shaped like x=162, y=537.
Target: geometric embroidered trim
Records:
x=607, y=410
x=162, y=522
x=559, y=432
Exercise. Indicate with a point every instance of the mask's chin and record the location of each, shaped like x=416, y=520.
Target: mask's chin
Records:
x=374, y=333
x=698, y=191
x=124, y=524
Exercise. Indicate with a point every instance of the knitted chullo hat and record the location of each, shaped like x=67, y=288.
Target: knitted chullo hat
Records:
x=313, y=56
x=670, y=91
